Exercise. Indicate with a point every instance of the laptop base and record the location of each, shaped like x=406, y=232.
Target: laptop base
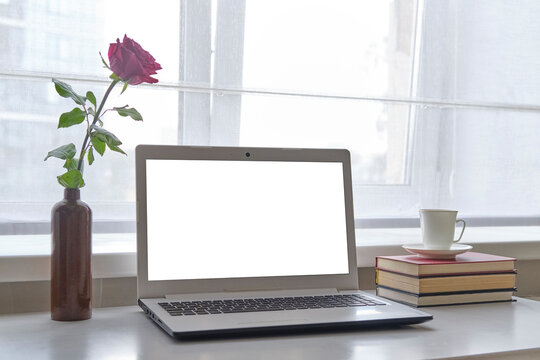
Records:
x=285, y=329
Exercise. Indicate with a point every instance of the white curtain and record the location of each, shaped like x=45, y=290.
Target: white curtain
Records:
x=438, y=101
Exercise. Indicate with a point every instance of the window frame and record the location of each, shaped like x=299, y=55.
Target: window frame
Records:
x=205, y=111
x=201, y=110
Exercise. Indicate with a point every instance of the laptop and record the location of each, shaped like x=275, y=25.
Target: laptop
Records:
x=234, y=240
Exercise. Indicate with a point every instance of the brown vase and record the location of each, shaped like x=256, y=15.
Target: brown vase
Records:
x=71, y=276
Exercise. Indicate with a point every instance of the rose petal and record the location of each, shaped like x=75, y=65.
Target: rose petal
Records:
x=136, y=80
x=113, y=48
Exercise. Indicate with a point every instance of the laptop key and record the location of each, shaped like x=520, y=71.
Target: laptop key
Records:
x=206, y=307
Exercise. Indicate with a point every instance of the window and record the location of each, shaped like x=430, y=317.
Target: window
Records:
x=437, y=100
x=479, y=59
x=63, y=39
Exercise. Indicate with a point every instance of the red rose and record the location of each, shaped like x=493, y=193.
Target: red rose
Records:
x=131, y=63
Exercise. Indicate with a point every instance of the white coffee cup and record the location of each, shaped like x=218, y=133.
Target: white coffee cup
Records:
x=438, y=228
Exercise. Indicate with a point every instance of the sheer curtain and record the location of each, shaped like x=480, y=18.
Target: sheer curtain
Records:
x=483, y=55
x=62, y=39
x=437, y=100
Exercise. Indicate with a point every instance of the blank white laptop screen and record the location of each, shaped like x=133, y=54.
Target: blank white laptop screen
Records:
x=212, y=219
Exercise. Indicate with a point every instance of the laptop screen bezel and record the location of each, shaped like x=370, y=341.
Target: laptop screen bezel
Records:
x=152, y=289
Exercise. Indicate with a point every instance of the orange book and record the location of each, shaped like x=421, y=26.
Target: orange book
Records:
x=432, y=284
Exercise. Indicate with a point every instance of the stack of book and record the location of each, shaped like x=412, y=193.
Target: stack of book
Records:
x=469, y=278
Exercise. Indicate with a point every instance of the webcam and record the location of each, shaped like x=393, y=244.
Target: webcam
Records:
x=248, y=154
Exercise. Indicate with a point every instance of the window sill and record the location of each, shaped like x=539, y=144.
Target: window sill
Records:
x=114, y=254
x=520, y=242
x=27, y=257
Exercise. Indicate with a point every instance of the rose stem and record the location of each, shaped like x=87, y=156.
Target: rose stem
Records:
x=96, y=117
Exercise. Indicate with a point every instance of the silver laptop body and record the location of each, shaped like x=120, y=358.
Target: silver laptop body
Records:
x=226, y=233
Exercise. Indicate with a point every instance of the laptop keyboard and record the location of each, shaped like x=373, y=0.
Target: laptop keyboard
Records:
x=184, y=308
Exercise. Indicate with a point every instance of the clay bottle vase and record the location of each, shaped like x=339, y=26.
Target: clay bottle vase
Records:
x=71, y=277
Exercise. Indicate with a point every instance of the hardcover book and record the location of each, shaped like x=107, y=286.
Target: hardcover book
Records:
x=452, y=298
x=468, y=263
x=446, y=283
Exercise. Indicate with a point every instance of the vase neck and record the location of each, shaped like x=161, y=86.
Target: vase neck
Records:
x=72, y=194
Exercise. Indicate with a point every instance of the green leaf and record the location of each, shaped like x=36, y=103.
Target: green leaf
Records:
x=103, y=61
x=91, y=111
x=117, y=149
x=91, y=97
x=72, y=179
x=114, y=76
x=74, y=117
x=98, y=145
x=103, y=135
x=131, y=112
x=124, y=88
x=67, y=91
x=90, y=156
x=71, y=164
x=63, y=152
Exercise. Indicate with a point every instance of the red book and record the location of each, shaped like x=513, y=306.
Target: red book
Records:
x=467, y=263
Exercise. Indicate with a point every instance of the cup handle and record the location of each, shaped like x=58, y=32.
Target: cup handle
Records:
x=462, y=230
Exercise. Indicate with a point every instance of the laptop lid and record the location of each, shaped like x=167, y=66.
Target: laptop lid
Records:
x=214, y=219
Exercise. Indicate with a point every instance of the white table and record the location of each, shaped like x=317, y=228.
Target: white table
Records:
x=504, y=330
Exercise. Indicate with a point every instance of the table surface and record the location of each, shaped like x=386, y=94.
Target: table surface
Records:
x=500, y=330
